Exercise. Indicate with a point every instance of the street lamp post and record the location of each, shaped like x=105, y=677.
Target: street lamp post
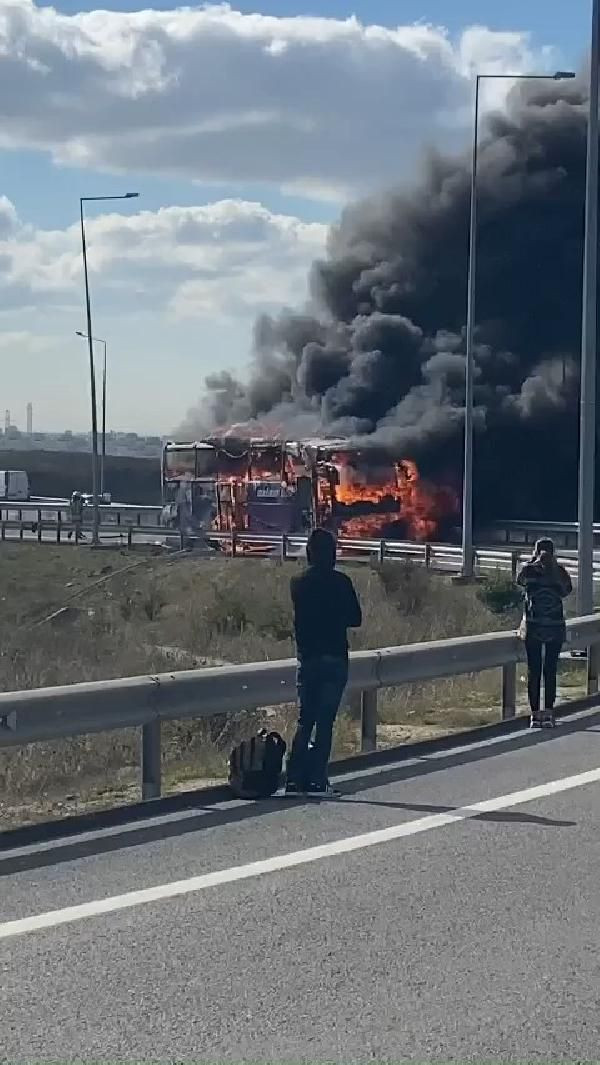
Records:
x=103, y=451
x=99, y=340
x=587, y=432
x=467, y=515
x=88, y=310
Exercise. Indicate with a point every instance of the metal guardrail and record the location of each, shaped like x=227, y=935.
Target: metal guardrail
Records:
x=63, y=531
x=118, y=514
x=444, y=558
x=564, y=533
x=510, y=533
x=145, y=702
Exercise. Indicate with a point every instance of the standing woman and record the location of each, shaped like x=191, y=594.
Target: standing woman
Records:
x=545, y=584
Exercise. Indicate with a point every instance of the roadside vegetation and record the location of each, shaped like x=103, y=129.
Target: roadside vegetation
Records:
x=69, y=615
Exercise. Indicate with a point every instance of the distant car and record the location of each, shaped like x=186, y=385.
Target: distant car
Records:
x=104, y=500
x=14, y=485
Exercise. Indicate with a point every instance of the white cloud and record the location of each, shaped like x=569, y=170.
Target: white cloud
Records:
x=25, y=342
x=229, y=258
x=324, y=106
x=8, y=217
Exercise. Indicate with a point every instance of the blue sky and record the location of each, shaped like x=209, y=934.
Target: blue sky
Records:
x=552, y=20
x=253, y=167
x=26, y=177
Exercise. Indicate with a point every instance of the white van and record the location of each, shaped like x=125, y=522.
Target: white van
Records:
x=14, y=485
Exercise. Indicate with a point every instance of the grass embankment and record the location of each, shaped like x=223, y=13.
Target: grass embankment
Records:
x=127, y=617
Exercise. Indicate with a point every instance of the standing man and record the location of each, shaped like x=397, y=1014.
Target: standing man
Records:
x=325, y=607
x=76, y=508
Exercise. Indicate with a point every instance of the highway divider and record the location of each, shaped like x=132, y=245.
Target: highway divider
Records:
x=443, y=558
x=145, y=702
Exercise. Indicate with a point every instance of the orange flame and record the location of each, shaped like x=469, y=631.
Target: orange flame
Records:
x=379, y=500
x=405, y=498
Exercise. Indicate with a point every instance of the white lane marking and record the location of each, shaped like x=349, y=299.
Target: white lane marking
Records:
x=191, y=814
x=69, y=914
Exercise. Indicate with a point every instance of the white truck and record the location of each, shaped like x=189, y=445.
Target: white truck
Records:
x=14, y=485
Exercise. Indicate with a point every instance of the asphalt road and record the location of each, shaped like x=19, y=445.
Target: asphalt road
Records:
x=455, y=934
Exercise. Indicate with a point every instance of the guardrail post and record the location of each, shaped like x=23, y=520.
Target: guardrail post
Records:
x=39, y=530
x=428, y=556
x=509, y=690
x=130, y=536
x=514, y=564
x=58, y=527
x=21, y=529
x=381, y=552
x=283, y=548
x=593, y=668
x=233, y=544
x=368, y=721
x=151, y=761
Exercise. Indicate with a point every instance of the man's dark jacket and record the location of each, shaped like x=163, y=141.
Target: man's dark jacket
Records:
x=325, y=606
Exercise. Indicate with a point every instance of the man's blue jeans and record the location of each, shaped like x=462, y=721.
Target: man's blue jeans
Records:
x=321, y=683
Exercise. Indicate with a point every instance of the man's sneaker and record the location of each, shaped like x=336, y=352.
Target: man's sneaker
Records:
x=323, y=790
x=292, y=788
x=535, y=721
x=548, y=719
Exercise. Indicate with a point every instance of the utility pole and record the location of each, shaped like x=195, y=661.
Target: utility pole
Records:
x=587, y=431
x=88, y=310
x=467, y=514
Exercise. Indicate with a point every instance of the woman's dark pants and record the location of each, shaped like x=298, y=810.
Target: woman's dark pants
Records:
x=542, y=657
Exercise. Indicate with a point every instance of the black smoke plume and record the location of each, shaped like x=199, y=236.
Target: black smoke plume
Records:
x=380, y=353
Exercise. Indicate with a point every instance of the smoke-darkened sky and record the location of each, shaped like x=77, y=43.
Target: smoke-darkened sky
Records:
x=380, y=353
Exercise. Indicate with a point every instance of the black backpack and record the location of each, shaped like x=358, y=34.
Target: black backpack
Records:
x=256, y=766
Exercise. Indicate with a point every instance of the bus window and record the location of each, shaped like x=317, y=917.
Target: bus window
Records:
x=206, y=463
x=266, y=462
x=179, y=463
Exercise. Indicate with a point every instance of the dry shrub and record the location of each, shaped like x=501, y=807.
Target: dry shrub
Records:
x=472, y=698
x=227, y=612
x=406, y=586
x=237, y=611
x=501, y=595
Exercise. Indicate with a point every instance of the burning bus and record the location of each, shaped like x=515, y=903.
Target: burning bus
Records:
x=188, y=482
x=362, y=493
x=227, y=485
x=272, y=487
x=259, y=498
